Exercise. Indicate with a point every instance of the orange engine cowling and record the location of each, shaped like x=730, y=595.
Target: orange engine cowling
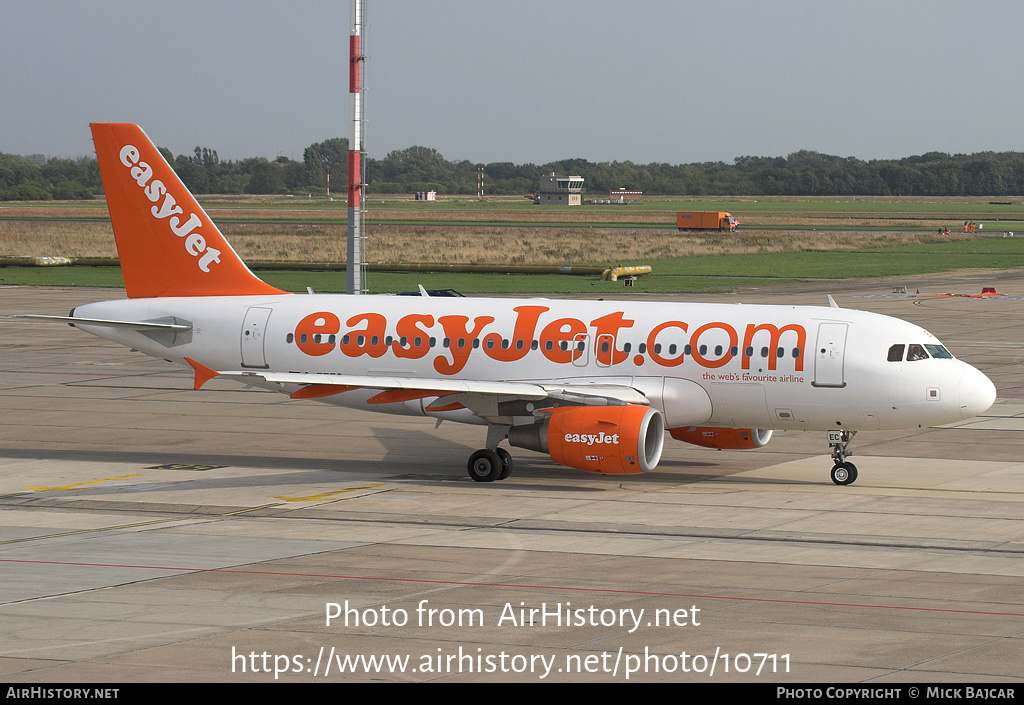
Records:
x=723, y=438
x=616, y=440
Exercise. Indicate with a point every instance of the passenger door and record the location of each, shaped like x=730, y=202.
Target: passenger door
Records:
x=254, y=329
x=829, y=355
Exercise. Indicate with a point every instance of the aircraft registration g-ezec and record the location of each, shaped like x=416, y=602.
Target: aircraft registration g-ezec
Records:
x=594, y=384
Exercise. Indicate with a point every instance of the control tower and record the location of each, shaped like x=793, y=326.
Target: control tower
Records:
x=560, y=190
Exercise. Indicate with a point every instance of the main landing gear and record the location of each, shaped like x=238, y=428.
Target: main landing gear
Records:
x=488, y=465
x=491, y=463
x=843, y=472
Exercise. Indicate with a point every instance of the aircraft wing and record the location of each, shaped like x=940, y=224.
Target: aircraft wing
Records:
x=482, y=397
x=310, y=385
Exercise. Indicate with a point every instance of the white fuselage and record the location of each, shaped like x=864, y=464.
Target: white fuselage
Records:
x=740, y=366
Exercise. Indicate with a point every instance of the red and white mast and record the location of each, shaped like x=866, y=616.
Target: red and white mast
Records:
x=355, y=268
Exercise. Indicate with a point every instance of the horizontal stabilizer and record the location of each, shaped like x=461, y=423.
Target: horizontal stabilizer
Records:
x=135, y=325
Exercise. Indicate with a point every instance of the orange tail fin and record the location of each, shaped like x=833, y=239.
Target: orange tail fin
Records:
x=167, y=244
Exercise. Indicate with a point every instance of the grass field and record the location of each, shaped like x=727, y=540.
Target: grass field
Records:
x=780, y=240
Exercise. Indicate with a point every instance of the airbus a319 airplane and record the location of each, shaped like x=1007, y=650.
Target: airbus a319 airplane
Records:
x=595, y=384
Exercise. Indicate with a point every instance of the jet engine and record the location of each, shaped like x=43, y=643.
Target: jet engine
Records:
x=723, y=438
x=616, y=440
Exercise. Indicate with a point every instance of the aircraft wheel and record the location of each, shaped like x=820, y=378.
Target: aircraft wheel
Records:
x=844, y=473
x=506, y=463
x=485, y=465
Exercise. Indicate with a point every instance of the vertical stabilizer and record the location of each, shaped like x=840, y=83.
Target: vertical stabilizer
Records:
x=167, y=244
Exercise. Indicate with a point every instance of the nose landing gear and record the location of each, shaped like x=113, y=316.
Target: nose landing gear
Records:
x=843, y=472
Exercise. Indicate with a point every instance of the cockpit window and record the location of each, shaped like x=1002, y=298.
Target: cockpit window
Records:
x=939, y=351
x=916, y=352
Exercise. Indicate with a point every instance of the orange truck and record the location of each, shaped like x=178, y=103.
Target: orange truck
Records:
x=705, y=220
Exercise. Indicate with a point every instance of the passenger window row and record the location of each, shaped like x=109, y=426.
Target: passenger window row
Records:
x=549, y=345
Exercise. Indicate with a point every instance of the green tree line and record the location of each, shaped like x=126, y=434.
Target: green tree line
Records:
x=803, y=173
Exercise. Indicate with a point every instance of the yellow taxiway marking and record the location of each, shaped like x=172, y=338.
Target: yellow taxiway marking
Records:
x=328, y=495
x=80, y=484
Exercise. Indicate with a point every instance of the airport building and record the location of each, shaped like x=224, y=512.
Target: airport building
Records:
x=560, y=190
x=623, y=195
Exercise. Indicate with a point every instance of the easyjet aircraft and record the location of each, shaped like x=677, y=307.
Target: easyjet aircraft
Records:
x=594, y=384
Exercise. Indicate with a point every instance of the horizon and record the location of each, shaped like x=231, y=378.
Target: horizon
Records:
x=731, y=162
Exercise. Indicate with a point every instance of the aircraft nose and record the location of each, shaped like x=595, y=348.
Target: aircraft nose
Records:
x=977, y=393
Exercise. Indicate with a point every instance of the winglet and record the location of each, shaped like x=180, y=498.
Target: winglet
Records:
x=203, y=373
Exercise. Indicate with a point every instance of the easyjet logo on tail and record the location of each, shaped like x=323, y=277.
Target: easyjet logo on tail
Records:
x=168, y=209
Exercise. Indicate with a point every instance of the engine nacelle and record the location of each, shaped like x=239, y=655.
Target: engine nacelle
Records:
x=615, y=440
x=723, y=438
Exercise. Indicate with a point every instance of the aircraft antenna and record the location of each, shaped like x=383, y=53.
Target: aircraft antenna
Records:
x=357, y=59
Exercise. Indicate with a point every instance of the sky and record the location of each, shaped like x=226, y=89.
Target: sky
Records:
x=529, y=81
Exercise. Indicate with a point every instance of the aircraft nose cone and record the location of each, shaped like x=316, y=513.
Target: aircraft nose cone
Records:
x=977, y=393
